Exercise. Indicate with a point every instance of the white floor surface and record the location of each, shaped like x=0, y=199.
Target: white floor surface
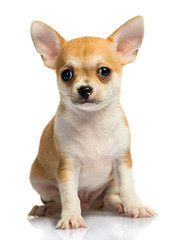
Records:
x=106, y=226
x=102, y=226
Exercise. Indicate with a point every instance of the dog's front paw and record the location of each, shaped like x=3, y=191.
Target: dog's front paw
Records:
x=71, y=222
x=139, y=212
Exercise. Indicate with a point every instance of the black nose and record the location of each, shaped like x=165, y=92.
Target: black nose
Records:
x=85, y=91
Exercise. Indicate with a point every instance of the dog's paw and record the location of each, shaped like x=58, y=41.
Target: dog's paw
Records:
x=139, y=212
x=45, y=210
x=72, y=222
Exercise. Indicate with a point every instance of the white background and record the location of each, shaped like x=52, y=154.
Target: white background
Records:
x=151, y=96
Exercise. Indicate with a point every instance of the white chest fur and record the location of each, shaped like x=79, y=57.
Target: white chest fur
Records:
x=92, y=140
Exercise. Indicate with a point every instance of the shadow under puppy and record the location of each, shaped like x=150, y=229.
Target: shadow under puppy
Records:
x=84, y=156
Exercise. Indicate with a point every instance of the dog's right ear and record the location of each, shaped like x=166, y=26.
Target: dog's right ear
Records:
x=128, y=38
x=47, y=42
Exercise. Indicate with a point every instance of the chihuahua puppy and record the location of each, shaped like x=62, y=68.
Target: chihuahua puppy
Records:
x=84, y=158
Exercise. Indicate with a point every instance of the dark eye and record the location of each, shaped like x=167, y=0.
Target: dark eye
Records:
x=104, y=72
x=67, y=75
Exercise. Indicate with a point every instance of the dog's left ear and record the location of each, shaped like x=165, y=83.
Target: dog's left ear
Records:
x=128, y=38
x=47, y=42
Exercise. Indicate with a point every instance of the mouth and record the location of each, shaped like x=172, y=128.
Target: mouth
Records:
x=87, y=101
x=89, y=104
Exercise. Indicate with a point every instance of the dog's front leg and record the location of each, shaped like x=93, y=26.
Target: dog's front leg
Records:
x=68, y=176
x=133, y=207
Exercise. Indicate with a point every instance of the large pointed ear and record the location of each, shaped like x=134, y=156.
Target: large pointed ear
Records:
x=47, y=42
x=128, y=38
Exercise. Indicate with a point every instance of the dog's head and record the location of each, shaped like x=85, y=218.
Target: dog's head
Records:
x=88, y=68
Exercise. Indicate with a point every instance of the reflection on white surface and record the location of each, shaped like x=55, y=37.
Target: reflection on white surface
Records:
x=102, y=225
x=73, y=234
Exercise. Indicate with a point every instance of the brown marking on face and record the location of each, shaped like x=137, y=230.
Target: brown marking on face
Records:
x=82, y=50
x=127, y=159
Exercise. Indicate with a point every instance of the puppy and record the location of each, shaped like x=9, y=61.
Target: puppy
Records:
x=84, y=158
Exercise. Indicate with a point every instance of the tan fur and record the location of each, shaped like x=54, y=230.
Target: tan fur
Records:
x=127, y=159
x=48, y=159
x=62, y=172
x=81, y=48
x=84, y=157
x=47, y=154
x=86, y=46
